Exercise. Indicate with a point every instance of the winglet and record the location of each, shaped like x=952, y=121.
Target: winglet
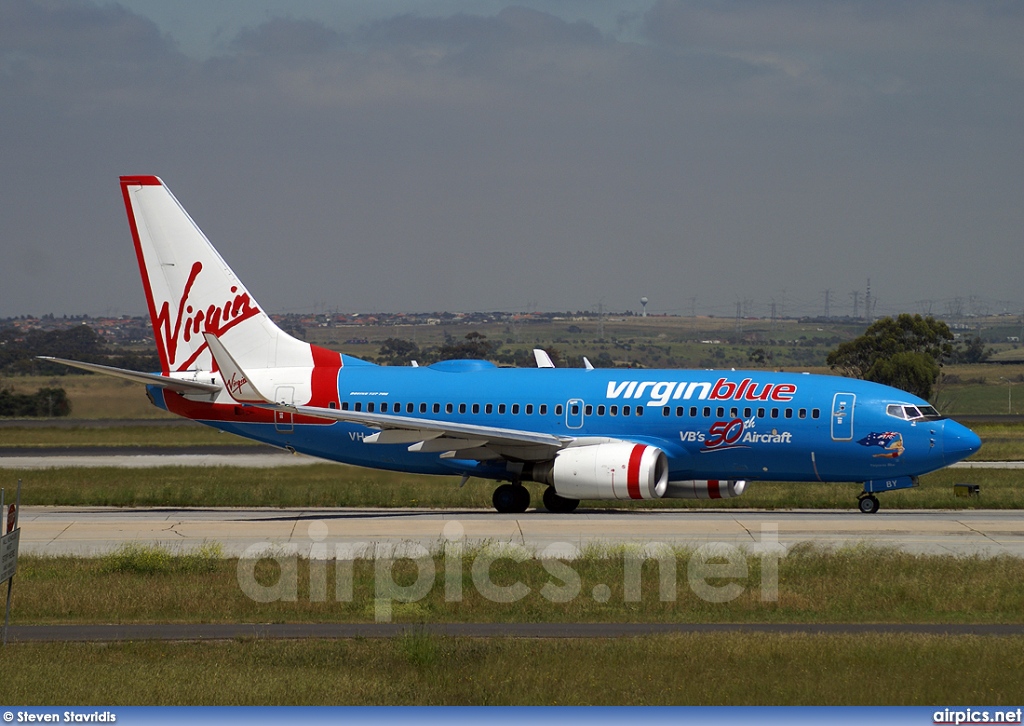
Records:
x=587, y=364
x=236, y=381
x=542, y=358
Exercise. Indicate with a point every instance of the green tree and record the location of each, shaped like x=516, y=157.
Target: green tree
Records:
x=475, y=346
x=398, y=352
x=973, y=351
x=904, y=352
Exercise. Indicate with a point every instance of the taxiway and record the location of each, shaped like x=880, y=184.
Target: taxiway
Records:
x=359, y=532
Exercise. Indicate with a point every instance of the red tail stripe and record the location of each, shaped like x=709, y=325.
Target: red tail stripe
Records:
x=326, y=364
x=126, y=181
x=633, y=472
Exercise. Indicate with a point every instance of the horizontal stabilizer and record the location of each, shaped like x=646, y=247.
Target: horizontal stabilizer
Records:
x=149, y=379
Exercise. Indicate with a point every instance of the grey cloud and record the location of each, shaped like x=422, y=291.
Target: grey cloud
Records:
x=285, y=36
x=486, y=161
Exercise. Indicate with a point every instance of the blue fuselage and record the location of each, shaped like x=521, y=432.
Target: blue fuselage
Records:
x=710, y=424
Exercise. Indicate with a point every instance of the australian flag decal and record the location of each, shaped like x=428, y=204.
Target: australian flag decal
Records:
x=878, y=439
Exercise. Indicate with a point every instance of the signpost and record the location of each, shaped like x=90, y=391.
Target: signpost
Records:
x=9, y=550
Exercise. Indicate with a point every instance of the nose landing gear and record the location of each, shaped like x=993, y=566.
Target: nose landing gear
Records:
x=867, y=503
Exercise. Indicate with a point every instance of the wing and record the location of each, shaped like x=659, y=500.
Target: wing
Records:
x=450, y=439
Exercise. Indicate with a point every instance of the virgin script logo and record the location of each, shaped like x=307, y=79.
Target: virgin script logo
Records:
x=193, y=320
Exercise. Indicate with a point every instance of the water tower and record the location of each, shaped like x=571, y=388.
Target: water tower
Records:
x=643, y=301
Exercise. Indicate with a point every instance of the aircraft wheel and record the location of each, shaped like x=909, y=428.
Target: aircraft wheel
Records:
x=511, y=499
x=868, y=504
x=557, y=504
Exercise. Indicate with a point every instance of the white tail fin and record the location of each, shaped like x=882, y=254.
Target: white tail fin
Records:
x=191, y=290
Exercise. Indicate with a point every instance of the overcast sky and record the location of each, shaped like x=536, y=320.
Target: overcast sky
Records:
x=445, y=155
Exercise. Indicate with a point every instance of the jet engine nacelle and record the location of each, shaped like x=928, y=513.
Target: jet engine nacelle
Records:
x=705, y=489
x=619, y=470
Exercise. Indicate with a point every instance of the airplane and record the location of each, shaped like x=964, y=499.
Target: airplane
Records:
x=614, y=434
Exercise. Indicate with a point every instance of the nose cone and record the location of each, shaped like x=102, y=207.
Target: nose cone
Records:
x=958, y=442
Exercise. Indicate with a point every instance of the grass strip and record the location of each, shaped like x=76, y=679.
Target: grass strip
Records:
x=193, y=435
x=1001, y=441
x=852, y=585
x=420, y=669
x=337, y=486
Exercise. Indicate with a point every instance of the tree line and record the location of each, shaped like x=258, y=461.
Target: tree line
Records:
x=19, y=348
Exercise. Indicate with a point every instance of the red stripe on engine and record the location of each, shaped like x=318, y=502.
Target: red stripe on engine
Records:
x=714, y=492
x=633, y=472
x=326, y=364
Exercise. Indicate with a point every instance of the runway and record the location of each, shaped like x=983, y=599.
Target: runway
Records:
x=358, y=532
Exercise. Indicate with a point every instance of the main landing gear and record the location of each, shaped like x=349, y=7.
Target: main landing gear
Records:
x=511, y=498
x=557, y=504
x=515, y=499
x=867, y=503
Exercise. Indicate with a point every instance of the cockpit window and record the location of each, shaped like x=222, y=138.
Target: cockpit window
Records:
x=912, y=413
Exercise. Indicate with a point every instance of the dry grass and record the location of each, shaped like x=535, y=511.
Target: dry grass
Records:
x=718, y=669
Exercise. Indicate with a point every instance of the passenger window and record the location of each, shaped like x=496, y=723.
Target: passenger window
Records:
x=409, y=407
x=575, y=409
x=423, y=408
x=625, y=410
x=369, y=407
x=344, y=405
x=437, y=408
x=613, y=410
x=588, y=410
x=640, y=410
x=775, y=413
x=760, y=413
x=720, y=412
x=476, y=408
x=746, y=413
x=449, y=407
x=359, y=406
x=558, y=410
x=693, y=411
x=501, y=409
x=332, y=404
x=600, y=410
x=707, y=412
x=734, y=412
x=529, y=409
x=815, y=413
x=383, y=407
x=680, y=411
x=543, y=410
x=802, y=413
x=515, y=409
x=789, y=413
x=666, y=411
x=489, y=408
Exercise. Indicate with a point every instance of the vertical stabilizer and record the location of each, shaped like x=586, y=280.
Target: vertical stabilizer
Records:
x=191, y=290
